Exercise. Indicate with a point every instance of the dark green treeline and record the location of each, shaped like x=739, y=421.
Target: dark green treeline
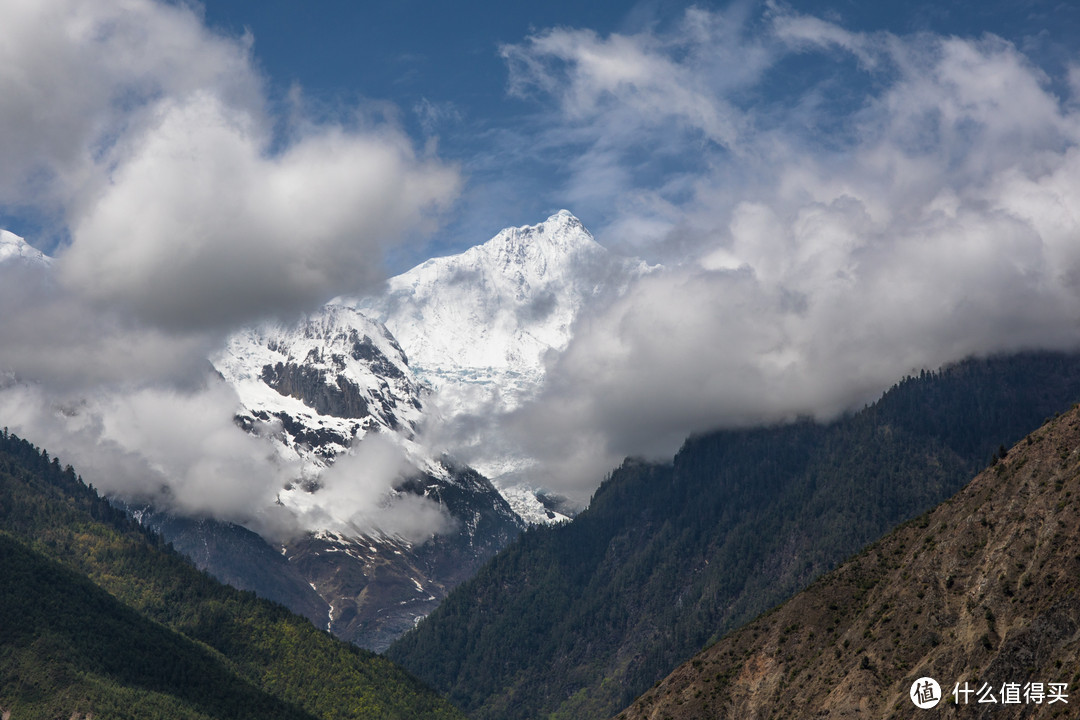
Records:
x=576, y=621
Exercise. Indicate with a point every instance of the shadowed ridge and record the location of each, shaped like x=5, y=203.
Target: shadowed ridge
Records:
x=979, y=592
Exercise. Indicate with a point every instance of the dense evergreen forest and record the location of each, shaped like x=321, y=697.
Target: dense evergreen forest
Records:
x=99, y=617
x=984, y=586
x=575, y=621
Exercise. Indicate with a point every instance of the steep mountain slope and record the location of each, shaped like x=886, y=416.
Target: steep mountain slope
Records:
x=315, y=390
x=72, y=649
x=288, y=667
x=378, y=587
x=575, y=621
x=322, y=384
x=238, y=557
x=478, y=325
x=979, y=595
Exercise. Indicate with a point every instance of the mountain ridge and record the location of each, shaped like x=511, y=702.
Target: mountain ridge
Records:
x=575, y=621
x=13, y=247
x=480, y=326
x=978, y=594
x=49, y=510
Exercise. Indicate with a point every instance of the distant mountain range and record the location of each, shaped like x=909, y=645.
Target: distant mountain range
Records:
x=577, y=620
x=477, y=326
x=979, y=596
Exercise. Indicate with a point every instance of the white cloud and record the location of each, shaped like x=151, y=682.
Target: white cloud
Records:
x=50, y=336
x=627, y=104
x=357, y=495
x=808, y=32
x=178, y=450
x=200, y=227
x=148, y=136
x=611, y=88
x=189, y=209
x=932, y=223
x=75, y=77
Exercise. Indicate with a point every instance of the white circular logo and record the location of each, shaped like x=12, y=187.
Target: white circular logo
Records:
x=925, y=693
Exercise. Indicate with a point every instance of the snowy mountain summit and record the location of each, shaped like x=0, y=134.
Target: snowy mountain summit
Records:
x=328, y=380
x=14, y=248
x=478, y=327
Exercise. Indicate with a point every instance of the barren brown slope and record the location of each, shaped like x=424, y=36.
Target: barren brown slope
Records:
x=982, y=590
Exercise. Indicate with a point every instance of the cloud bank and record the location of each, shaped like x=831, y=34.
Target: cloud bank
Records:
x=186, y=206
x=832, y=208
x=176, y=450
x=187, y=203
x=816, y=248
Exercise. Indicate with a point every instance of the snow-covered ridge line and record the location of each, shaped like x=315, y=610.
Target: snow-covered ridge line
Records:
x=480, y=326
x=12, y=246
x=492, y=311
x=328, y=380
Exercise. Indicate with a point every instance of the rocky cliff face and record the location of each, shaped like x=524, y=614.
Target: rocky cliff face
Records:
x=380, y=587
x=317, y=390
x=478, y=327
x=327, y=380
x=979, y=595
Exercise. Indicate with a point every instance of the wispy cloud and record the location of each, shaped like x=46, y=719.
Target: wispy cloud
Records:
x=818, y=252
x=188, y=208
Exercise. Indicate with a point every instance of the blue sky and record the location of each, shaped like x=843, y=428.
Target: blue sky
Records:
x=441, y=68
x=441, y=73
x=438, y=64
x=839, y=192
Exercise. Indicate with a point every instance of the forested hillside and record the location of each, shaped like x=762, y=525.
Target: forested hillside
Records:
x=100, y=618
x=69, y=647
x=575, y=621
x=979, y=595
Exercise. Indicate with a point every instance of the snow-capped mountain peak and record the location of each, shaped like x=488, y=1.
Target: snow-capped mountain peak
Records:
x=13, y=247
x=329, y=379
x=479, y=327
x=496, y=307
x=541, y=249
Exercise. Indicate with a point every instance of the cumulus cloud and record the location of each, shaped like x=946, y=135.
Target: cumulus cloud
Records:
x=932, y=223
x=76, y=77
x=147, y=135
x=187, y=208
x=200, y=227
x=358, y=494
x=177, y=450
x=51, y=337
